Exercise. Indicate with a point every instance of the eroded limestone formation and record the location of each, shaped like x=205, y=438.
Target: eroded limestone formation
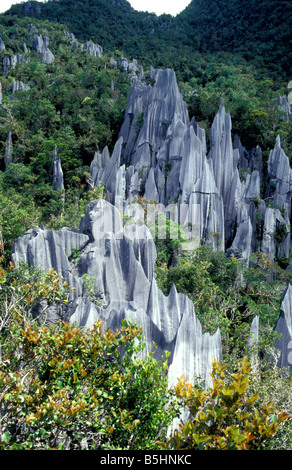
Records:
x=284, y=329
x=120, y=259
x=58, y=178
x=162, y=155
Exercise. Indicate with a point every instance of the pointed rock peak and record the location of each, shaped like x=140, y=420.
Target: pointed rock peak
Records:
x=286, y=302
x=166, y=82
x=58, y=179
x=254, y=332
x=2, y=45
x=284, y=329
x=222, y=106
x=55, y=154
x=102, y=220
x=173, y=291
x=278, y=141
x=8, y=150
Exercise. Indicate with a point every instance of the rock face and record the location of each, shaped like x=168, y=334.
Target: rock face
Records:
x=8, y=150
x=93, y=49
x=216, y=190
x=284, y=330
x=2, y=45
x=11, y=62
x=58, y=179
x=285, y=107
x=41, y=45
x=162, y=156
x=19, y=85
x=121, y=260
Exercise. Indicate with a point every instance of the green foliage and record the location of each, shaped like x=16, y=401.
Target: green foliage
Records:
x=90, y=291
x=71, y=388
x=23, y=290
x=69, y=105
x=228, y=295
x=224, y=417
x=62, y=387
x=204, y=27
x=16, y=213
x=272, y=383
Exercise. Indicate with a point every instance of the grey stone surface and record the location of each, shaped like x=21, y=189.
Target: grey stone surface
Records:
x=124, y=64
x=93, y=49
x=2, y=45
x=58, y=178
x=41, y=45
x=48, y=57
x=284, y=106
x=8, y=158
x=19, y=85
x=10, y=62
x=284, y=329
x=113, y=62
x=6, y=64
x=121, y=262
x=280, y=175
x=162, y=155
x=252, y=343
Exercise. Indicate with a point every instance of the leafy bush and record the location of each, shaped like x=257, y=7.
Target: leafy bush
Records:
x=64, y=387
x=224, y=417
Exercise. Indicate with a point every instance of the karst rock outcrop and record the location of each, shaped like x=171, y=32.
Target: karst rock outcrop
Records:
x=120, y=259
x=162, y=156
x=214, y=188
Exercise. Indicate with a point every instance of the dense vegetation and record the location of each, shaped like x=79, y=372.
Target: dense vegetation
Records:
x=63, y=387
x=257, y=30
x=57, y=383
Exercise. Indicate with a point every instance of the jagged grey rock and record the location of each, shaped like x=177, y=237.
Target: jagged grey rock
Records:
x=221, y=151
x=58, y=178
x=252, y=342
x=19, y=85
x=113, y=62
x=254, y=333
x=6, y=64
x=284, y=329
x=206, y=197
x=48, y=57
x=12, y=62
x=93, y=49
x=8, y=158
x=124, y=64
x=41, y=45
x=2, y=45
x=284, y=106
x=273, y=220
x=162, y=155
x=133, y=66
x=280, y=175
x=121, y=261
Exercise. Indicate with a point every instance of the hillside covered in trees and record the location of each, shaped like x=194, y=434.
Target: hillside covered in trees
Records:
x=81, y=87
